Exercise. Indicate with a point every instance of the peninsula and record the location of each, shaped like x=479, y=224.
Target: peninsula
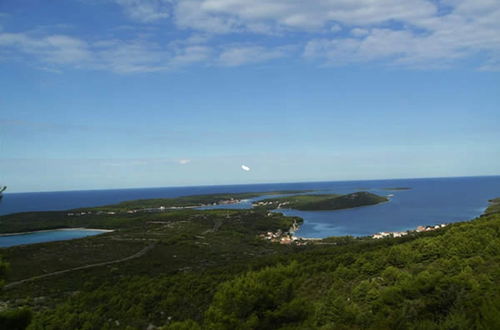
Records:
x=322, y=202
x=120, y=215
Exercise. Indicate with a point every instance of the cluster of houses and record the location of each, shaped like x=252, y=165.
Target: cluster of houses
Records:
x=155, y=209
x=228, y=201
x=271, y=204
x=283, y=237
x=403, y=233
x=71, y=214
x=389, y=234
x=429, y=228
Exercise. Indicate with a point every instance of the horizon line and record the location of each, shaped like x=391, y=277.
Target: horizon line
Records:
x=255, y=183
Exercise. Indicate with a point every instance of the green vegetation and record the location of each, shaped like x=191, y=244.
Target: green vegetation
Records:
x=189, y=201
x=193, y=251
x=115, y=216
x=12, y=319
x=17, y=319
x=210, y=270
x=323, y=202
x=31, y=221
x=494, y=206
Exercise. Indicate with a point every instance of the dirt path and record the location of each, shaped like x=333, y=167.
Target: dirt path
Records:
x=134, y=256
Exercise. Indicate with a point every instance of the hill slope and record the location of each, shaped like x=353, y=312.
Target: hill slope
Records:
x=319, y=202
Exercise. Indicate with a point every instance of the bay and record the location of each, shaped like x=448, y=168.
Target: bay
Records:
x=427, y=201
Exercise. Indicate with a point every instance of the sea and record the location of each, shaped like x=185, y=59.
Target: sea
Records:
x=428, y=201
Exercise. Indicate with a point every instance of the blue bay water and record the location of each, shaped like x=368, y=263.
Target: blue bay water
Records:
x=429, y=201
x=46, y=236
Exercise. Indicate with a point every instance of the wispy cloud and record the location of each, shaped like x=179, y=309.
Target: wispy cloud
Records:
x=55, y=52
x=222, y=16
x=146, y=11
x=412, y=33
x=417, y=33
x=239, y=55
x=59, y=49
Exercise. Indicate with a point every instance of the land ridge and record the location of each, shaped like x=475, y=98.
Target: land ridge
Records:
x=320, y=202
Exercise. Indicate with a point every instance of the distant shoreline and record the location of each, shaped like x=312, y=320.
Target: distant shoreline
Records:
x=254, y=184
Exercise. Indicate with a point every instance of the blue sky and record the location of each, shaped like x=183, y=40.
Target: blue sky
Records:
x=100, y=94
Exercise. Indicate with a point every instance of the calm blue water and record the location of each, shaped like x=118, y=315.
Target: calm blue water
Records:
x=46, y=236
x=430, y=201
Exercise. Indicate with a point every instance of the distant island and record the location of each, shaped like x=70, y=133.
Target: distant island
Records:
x=322, y=202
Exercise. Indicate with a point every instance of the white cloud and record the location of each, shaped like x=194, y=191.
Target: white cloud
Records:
x=146, y=11
x=184, y=161
x=239, y=55
x=52, y=48
x=129, y=56
x=222, y=16
x=491, y=65
x=188, y=14
x=358, y=32
x=60, y=50
x=191, y=54
x=414, y=33
x=440, y=47
x=470, y=28
x=55, y=52
x=335, y=28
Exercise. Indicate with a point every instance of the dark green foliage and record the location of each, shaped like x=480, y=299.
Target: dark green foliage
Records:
x=3, y=270
x=13, y=319
x=258, y=300
x=448, y=281
x=182, y=325
x=494, y=207
x=327, y=201
x=32, y=221
x=186, y=201
x=17, y=319
x=99, y=217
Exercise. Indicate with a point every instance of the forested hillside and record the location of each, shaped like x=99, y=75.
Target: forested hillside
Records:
x=448, y=280
x=319, y=202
